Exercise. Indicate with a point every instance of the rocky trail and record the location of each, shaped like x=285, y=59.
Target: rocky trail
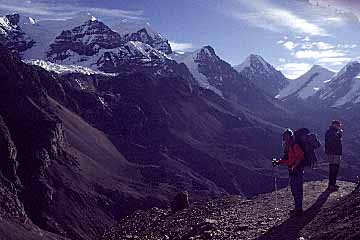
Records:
x=234, y=217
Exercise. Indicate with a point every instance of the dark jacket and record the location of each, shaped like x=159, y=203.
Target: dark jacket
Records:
x=333, y=143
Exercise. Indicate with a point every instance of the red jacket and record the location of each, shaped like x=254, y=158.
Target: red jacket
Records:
x=296, y=156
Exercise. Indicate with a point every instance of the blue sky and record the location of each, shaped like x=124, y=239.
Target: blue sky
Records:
x=291, y=34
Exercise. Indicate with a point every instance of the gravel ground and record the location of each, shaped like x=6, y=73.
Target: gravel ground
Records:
x=233, y=217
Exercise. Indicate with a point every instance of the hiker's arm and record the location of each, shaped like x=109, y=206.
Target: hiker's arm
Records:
x=285, y=162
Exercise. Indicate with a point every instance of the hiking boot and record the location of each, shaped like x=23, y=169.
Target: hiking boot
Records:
x=296, y=212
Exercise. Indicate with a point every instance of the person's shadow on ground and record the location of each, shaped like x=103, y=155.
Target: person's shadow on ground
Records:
x=290, y=229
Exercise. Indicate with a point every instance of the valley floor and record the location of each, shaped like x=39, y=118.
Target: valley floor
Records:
x=234, y=217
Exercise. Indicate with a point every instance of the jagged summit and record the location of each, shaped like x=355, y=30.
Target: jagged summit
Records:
x=73, y=41
x=11, y=34
x=211, y=72
x=151, y=38
x=262, y=74
x=127, y=26
x=86, y=39
x=13, y=19
x=254, y=61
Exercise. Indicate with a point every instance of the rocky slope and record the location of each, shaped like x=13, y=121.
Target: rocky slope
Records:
x=238, y=218
x=60, y=169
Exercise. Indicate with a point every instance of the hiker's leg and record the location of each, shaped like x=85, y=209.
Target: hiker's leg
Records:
x=331, y=174
x=331, y=169
x=299, y=191
x=293, y=185
x=336, y=171
x=296, y=189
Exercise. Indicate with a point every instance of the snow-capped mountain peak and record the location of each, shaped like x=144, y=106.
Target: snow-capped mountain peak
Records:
x=344, y=87
x=146, y=35
x=308, y=84
x=351, y=68
x=13, y=19
x=207, y=53
x=86, y=39
x=215, y=74
x=11, y=34
x=9, y=23
x=262, y=74
x=126, y=26
x=192, y=61
x=254, y=60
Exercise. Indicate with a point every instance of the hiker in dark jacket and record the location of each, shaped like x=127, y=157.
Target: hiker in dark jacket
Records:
x=294, y=160
x=333, y=149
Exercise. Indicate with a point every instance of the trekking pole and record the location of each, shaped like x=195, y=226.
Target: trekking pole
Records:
x=275, y=173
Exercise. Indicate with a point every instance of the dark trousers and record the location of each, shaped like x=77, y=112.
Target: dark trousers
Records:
x=333, y=172
x=296, y=185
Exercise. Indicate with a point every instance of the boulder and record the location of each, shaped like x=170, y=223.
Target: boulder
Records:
x=180, y=202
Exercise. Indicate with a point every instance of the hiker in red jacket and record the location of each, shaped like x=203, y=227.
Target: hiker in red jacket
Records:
x=293, y=158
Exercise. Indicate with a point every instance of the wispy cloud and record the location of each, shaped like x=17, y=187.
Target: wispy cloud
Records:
x=268, y=16
x=289, y=45
x=318, y=52
x=181, y=47
x=346, y=46
x=339, y=6
x=317, y=45
x=294, y=70
x=314, y=54
x=334, y=61
x=64, y=11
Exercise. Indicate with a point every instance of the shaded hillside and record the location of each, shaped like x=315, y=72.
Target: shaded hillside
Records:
x=80, y=157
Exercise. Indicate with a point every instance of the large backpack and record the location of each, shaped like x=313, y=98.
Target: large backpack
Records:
x=308, y=143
